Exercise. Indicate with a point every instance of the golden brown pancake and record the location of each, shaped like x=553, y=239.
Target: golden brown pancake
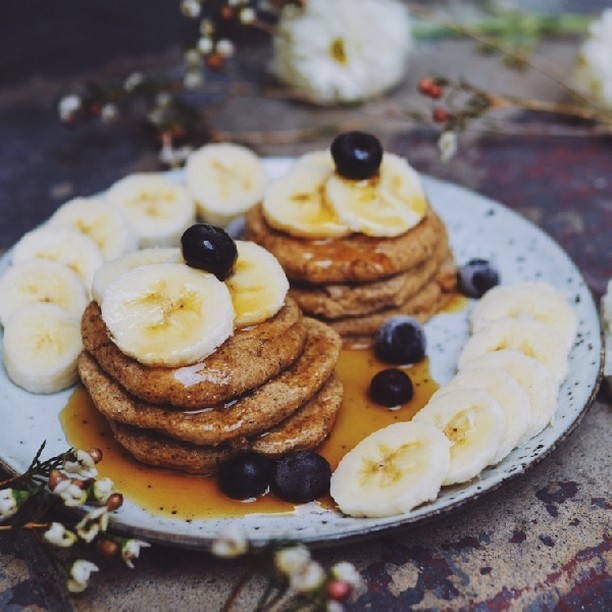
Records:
x=245, y=361
x=304, y=430
x=258, y=411
x=356, y=258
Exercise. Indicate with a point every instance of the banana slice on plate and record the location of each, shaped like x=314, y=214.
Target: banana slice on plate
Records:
x=387, y=205
x=258, y=284
x=41, y=346
x=296, y=204
x=225, y=180
x=103, y=223
x=392, y=471
x=474, y=423
x=510, y=396
x=112, y=270
x=531, y=338
x=158, y=211
x=532, y=300
x=41, y=280
x=533, y=377
x=168, y=314
x=63, y=244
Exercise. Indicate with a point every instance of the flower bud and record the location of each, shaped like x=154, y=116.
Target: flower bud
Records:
x=115, y=501
x=55, y=477
x=95, y=453
x=107, y=548
x=79, y=575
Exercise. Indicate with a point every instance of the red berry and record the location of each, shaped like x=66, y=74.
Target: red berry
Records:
x=425, y=85
x=435, y=91
x=441, y=115
x=339, y=590
x=215, y=61
x=227, y=12
x=55, y=477
x=107, y=548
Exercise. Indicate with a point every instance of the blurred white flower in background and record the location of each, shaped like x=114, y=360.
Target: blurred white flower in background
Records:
x=342, y=50
x=593, y=74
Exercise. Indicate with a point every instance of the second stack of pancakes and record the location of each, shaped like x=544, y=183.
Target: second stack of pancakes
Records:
x=270, y=388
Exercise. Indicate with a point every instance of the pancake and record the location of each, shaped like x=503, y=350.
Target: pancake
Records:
x=337, y=301
x=429, y=300
x=356, y=258
x=251, y=414
x=304, y=430
x=245, y=361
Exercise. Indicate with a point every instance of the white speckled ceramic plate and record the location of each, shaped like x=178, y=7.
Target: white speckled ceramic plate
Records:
x=478, y=227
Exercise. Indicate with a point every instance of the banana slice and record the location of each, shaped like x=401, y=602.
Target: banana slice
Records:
x=296, y=204
x=531, y=338
x=322, y=160
x=62, y=244
x=258, y=284
x=510, y=396
x=392, y=471
x=41, y=345
x=474, y=423
x=112, y=270
x=387, y=205
x=158, y=210
x=533, y=300
x=533, y=377
x=225, y=180
x=103, y=223
x=168, y=314
x=41, y=280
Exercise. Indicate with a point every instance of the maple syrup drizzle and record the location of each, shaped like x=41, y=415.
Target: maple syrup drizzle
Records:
x=168, y=493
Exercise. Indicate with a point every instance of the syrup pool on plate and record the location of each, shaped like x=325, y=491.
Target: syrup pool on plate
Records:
x=169, y=493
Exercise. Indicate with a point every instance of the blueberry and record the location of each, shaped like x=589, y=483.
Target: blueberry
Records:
x=400, y=339
x=301, y=476
x=357, y=155
x=476, y=277
x=244, y=476
x=391, y=387
x=209, y=248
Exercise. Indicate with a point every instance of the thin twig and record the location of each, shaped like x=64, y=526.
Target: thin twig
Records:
x=30, y=525
x=244, y=579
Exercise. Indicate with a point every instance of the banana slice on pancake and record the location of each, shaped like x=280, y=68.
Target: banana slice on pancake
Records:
x=386, y=205
x=225, y=180
x=168, y=314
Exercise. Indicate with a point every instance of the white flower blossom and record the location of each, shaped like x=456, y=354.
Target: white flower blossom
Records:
x=310, y=578
x=72, y=495
x=59, y=536
x=8, y=504
x=133, y=81
x=593, y=74
x=80, y=572
x=342, y=51
x=205, y=44
x=206, y=27
x=68, y=106
x=448, y=145
x=103, y=489
x=291, y=560
x=247, y=15
x=93, y=523
x=109, y=112
x=130, y=550
x=82, y=464
x=231, y=543
x=334, y=606
x=191, y=8
x=225, y=47
x=193, y=79
x=348, y=572
x=174, y=157
x=192, y=57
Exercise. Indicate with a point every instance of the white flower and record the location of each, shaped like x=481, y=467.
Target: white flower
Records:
x=292, y=560
x=59, y=536
x=191, y=8
x=192, y=57
x=82, y=464
x=334, y=606
x=447, y=144
x=131, y=550
x=206, y=27
x=225, y=47
x=68, y=106
x=103, y=489
x=231, y=543
x=193, y=79
x=80, y=573
x=108, y=113
x=348, y=572
x=174, y=156
x=71, y=494
x=8, y=504
x=593, y=74
x=133, y=81
x=205, y=45
x=342, y=51
x=308, y=579
x=93, y=523
x=247, y=15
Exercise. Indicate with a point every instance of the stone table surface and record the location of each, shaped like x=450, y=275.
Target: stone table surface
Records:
x=543, y=541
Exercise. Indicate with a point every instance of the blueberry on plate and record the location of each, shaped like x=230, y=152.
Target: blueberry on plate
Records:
x=391, y=388
x=401, y=339
x=245, y=476
x=476, y=277
x=301, y=476
x=209, y=248
x=357, y=155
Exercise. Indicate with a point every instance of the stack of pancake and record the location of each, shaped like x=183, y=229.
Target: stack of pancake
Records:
x=270, y=388
x=355, y=283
